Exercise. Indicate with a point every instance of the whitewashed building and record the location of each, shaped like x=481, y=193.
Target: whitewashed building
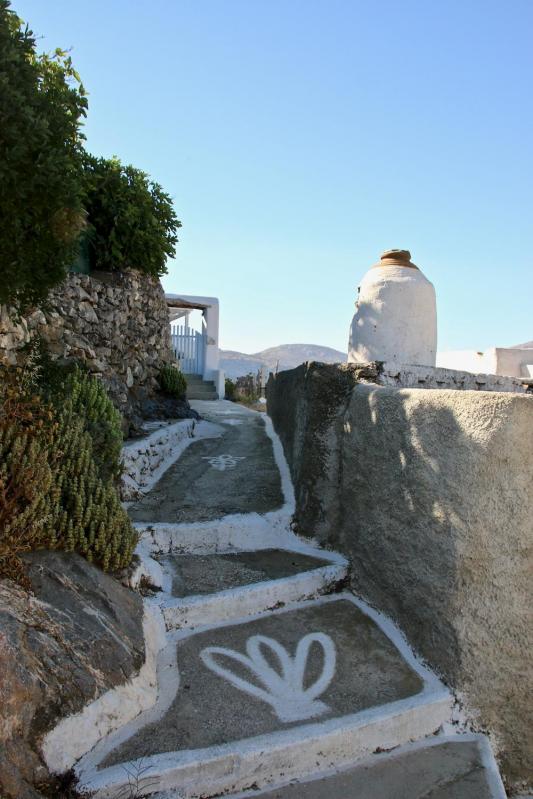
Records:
x=197, y=347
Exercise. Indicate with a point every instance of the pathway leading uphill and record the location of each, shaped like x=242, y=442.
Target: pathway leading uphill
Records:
x=273, y=681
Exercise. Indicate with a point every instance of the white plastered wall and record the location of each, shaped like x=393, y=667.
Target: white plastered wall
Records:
x=395, y=318
x=211, y=312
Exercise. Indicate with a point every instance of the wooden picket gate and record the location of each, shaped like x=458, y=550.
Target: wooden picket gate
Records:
x=189, y=347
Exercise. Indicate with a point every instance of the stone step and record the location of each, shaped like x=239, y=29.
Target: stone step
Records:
x=209, y=588
x=201, y=395
x=193, y=380
x=269, y=699
x=447, y=767
x=200, y=389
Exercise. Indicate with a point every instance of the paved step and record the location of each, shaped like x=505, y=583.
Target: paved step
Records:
x=200, y=389
x=207, y=588
x=262, y=688
x=196, y=395
x=270, y=698
x=198, y=379
x=234, y=474
x=447, y=767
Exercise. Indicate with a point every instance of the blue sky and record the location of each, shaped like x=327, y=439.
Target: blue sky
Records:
x=300, y=138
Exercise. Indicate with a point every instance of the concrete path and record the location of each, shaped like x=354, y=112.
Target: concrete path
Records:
x=235, y=473
x=271, y=681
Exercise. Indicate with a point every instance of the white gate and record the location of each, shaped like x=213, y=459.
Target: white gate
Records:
x=189, y=347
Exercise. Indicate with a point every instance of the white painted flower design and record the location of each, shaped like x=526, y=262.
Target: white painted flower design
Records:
x=283, y=690
x=223, y=462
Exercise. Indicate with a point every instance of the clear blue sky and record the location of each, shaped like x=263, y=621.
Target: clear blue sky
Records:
x=301, y=138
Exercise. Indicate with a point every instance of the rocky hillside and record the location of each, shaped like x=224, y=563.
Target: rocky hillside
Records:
x=286, y=356
x=78, y=634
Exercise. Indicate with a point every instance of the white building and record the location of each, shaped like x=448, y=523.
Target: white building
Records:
x=197, y=350
x=508, y=361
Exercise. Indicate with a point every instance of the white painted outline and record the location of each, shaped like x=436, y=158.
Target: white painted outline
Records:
x=284, y=691
x=494, y=781
x=78, y=733
x=293, y=752
x=287, y=754
x=234, y=603
x=168, y=443
x=224, y=461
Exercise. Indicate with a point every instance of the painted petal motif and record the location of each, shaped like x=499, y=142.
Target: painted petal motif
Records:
x=283, y=690
x=223, y=462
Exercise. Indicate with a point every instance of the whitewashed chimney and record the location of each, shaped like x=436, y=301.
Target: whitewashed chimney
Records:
x=396, y=315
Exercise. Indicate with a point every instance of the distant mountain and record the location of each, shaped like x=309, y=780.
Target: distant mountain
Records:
x=526, y=346
x=286, y=356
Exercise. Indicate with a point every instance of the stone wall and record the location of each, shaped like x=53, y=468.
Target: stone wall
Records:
x=116, y=323
x=430, y=493
x=440, y=377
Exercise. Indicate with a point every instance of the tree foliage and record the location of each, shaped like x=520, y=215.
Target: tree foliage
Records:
x=132, y=222
x=42, y=102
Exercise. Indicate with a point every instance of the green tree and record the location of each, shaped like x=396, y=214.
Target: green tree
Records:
x=132, y=222
x=42, y=102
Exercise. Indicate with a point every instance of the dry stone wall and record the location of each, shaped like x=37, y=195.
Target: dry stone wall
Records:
x=116, y=323
x=430, y=493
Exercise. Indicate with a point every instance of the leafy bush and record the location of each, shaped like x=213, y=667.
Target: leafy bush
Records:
x=131, y=219
x=89, y=400
x=91, y=403
x=172, y=381
x=57, y=483
x=229, y=389
x=41, y=105
x=26, y=475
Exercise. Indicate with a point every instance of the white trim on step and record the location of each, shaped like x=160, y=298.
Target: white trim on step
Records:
x=496, y=788
x=287, y=754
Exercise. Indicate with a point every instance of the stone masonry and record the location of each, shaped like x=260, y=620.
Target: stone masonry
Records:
x=115, y=323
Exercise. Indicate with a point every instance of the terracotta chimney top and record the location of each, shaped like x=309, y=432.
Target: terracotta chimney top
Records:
x=396, y=258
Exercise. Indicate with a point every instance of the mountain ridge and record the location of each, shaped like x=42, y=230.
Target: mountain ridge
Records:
x=284, y=356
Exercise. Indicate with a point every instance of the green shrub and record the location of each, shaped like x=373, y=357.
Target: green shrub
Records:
x=229, y=389
x=90, y=402
x=172, y=381
x=88, y=517
x=56, y=482
x=26, y=475
x=41, y=104
x=131, y=219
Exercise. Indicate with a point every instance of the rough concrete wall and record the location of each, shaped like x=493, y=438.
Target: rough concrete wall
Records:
x=116, y=323
x=430, y=492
